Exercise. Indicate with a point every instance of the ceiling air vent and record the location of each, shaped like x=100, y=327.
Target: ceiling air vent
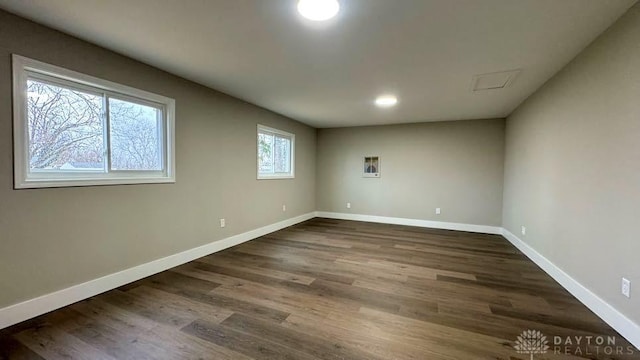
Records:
x=493, y=81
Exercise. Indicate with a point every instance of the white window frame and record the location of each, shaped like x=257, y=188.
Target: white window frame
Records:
x=292, y=137
x=24, y=68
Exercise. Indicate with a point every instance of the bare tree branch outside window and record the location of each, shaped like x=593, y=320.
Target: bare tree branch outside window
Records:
x=66, y=131
x=135, y=136
x=65, y=126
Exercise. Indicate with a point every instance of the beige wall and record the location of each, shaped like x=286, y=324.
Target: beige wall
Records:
x=454, y=165
x=572, y=171
x=53, y=238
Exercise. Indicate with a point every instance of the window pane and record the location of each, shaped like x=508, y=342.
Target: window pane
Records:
x=282, y=155
x=136, y=136
x=265, y=153
x=65, y=128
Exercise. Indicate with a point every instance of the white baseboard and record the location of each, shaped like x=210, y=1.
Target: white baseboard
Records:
x=622, y=324
x=16, y=313
x=413, y=222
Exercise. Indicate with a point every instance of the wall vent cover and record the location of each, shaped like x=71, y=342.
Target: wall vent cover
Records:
x=493, y=81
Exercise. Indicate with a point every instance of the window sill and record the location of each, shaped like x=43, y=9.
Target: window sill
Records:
x=49, y=183
x=275, y=177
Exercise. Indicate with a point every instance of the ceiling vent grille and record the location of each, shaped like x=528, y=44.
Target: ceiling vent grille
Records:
x=493, y=81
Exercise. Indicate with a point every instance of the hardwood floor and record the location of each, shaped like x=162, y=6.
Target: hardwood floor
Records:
x=329, y=289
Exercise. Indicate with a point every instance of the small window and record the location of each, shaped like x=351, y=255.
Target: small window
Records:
x=71, y=129
x=276, y=150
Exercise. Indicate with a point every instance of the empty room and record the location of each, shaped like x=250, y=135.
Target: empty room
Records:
x=319, y=179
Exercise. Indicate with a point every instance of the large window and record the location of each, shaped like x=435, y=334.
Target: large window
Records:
x=71, y=129
x=276, y=150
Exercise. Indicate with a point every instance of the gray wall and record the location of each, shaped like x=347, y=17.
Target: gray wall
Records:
x=454, y=165
x=54, y=238
x=572, y=171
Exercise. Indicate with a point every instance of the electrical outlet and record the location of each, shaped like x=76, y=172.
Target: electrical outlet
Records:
x=284, y=207
x=348, y=205
x=437, y=211
x=222, y=223
x=524, y=231
x=626, y=287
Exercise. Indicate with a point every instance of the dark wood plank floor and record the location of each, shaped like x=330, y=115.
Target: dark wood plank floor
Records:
x=326, y=289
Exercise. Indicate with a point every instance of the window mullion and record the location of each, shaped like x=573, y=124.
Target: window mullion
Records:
x=273, y=153
x=161, y=130
x=107, y=132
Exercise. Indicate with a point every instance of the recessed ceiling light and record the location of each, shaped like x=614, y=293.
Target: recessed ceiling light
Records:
x=318, y=10
x=386, y=101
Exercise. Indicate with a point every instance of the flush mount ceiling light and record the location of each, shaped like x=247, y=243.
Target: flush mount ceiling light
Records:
x=318, y=10
x=386, y=101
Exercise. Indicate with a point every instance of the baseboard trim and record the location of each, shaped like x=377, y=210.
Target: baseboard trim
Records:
x=622, y=324
x=485, y=229
x=19, y=312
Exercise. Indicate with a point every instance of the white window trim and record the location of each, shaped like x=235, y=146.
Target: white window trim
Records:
x=24, y=179
x=290, y=175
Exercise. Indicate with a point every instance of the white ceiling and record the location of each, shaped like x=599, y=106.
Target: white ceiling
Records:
x=328, y=74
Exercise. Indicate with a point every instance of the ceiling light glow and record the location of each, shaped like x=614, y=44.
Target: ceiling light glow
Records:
x=386, y=101
x=318, y=10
